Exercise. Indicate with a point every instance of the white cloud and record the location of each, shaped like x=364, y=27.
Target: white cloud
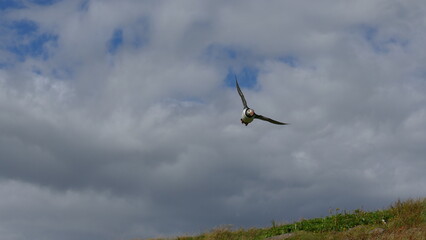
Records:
x=147, y=141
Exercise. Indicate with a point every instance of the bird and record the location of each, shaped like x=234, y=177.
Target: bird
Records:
x=248, y=114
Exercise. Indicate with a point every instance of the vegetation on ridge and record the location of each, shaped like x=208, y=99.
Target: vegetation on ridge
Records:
x=403, y=220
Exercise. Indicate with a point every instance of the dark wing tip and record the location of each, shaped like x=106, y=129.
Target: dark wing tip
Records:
x=243, y=99
x=281, y=123
x=270, y=120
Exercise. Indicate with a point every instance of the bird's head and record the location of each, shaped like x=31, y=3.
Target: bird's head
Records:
x=250, y=112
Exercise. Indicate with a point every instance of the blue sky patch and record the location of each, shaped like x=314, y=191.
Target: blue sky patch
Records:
x=379, y=43
x=23, y=27
x=230, y=53
x=17, y=4
x=247, y=77
x=44, y=2
x=370, y=32
x=84, y=5
x=234, y=58
x=116, y=41
x=217, y=51
x=34, y=48
x=4, y=65
x=13, y=4
x=26, y=40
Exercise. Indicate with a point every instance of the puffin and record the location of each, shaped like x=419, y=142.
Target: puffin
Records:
x=248, y=114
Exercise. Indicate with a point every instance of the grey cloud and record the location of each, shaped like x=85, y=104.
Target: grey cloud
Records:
x=147, y=141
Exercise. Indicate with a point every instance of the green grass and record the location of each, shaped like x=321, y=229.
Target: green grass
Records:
x=402, y=220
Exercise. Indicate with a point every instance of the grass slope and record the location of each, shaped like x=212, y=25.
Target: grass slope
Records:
x=403, y=220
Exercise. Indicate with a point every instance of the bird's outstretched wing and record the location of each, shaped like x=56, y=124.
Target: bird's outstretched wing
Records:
x=269, y=120
x=241, y=93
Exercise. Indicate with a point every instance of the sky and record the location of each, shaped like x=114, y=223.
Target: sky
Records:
x=120, y=119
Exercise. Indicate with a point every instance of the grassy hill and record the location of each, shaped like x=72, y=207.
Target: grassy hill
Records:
x=402, y=220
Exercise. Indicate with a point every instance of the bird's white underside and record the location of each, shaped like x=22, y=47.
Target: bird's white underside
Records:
x=245, y=118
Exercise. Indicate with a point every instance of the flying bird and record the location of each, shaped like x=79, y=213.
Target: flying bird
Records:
x=248, y=114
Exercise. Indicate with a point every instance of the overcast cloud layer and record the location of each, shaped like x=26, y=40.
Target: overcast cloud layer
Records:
x=120, y=119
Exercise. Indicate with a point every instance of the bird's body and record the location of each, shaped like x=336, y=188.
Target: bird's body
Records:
x=248, y=114
x=246, y=118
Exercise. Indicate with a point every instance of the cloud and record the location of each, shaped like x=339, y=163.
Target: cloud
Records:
x=129, y=126
x=70, y=214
